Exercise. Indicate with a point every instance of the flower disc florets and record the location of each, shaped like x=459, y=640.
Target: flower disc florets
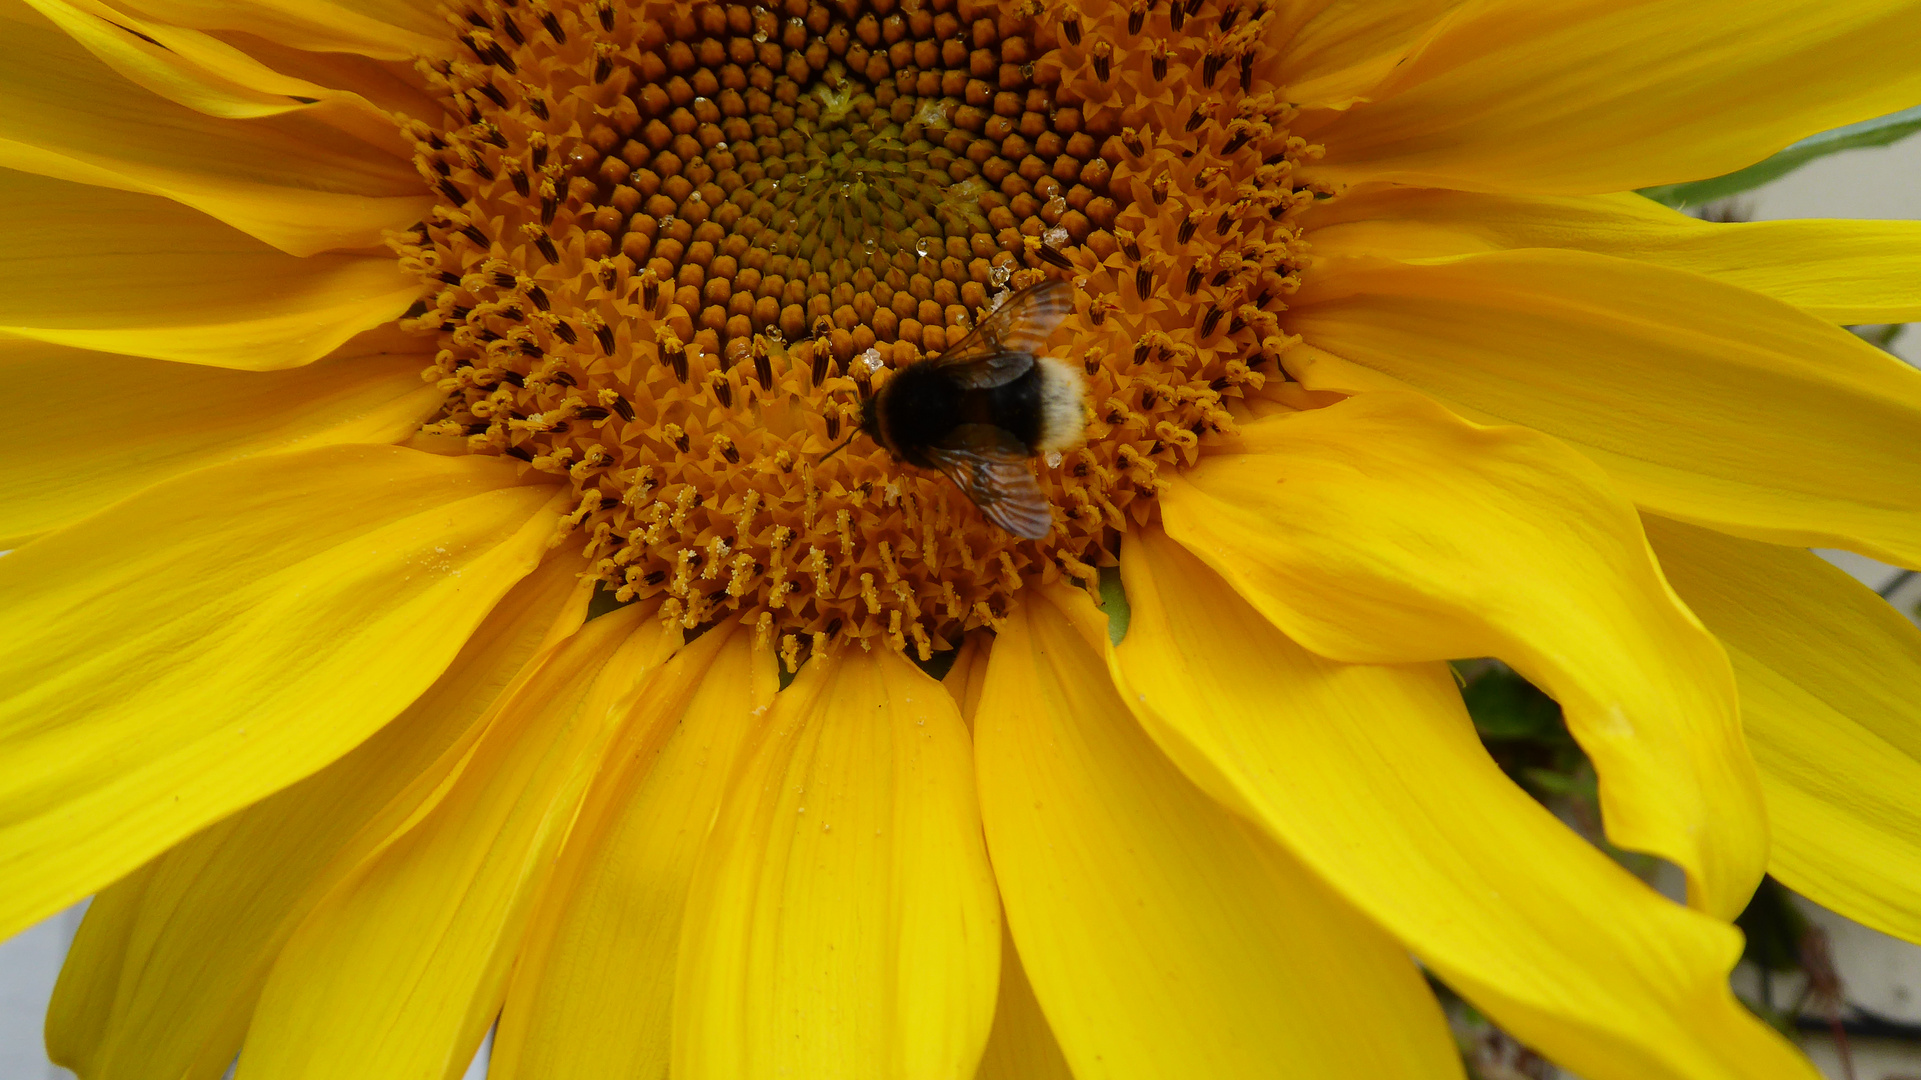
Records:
x=677, y=245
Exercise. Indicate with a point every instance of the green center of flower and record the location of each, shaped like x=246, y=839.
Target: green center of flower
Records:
x=677, y=246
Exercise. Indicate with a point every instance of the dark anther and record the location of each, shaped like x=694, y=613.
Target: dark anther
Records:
x=565, y=332
x=1226, y=222
x=539, y=296
x=1148, y=398
x=1188, y=224
x=463, y=364
x=519, y=178
x=441, y=166
x=833, y=427
x=677, y=357
x=459, y=314
x=681, y=443
x=561, y=428
x=1195, y=119
x=540, y=157
x=499, y=56
x=512, y=313
x=821, y=358
x=479, y=53
x=1131, y=139
x=1155, y=450
x=1176, y=15
x=489, y=334
x=609, y=277
x=1102, y=64
x=549, y=205
x=1144, y=282
x=1227, y=17
x=1193, y=6
x=1261, y=300
x=1220, y=279
x=649, y=293
x=1141, y=351
x=732, y=455
x=503, y=281
x=453, y=194
x=1132, y=249
x=763, y=369
x=592, y=412
x=520, y=452
x=1158, y=64
x=723, y=391
x=546, y=245
x=1049, y=254
x=538, y=104
x=552, y=24
x=513, y=30
x=1136, y=18
x=1247, y=72
x=606, y=15
x=1212, y=320
x=493, y=94
x=479, y=166
x=1235, y=325
x=415, y=310
x=1092, y=364
x=435, y=141
x=625, y=411
x=1072, y=28
x=531, y=350
x=1097, y=313
x=514, y=379
x=654, y=577
x=449, y=277
x=490, y=132
x=474, y=429
x=476, y=19
x=608, y=502
x=603, y=67
x=564, y=379
x=479, y=238
x=833, y=626
x=605, y=335
x=1193, y=279
x=1210, y=67
x=1239, y=140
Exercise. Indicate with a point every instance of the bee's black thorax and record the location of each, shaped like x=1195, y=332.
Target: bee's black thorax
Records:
x=922, y=405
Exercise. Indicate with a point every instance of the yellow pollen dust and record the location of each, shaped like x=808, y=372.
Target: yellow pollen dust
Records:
x=677, y=246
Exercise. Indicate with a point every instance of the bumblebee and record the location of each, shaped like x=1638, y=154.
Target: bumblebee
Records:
x=980, y=410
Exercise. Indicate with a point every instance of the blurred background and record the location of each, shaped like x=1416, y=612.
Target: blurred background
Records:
x=1849, y=995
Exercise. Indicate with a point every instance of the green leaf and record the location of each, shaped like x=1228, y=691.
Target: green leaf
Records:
x=1879, y=131
x=1114, y=603
x=1507, y=707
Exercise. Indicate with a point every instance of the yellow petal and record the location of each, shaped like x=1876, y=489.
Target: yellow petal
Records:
x=1164, y=937
x=399, y=972
x=842, y=920
x=83, y=267
x=1590, y=96
x=382, y=29
x=1373, y=777
x=1342, y=49
x=161, y=419
x=1384, y=530
x=969, y=673
x=1021, y=1046
x=592, y=991
x=293, y=181
x=1841, y=271
x=1705, y=402
x=170, y=959
x=161, y=659
x=1827, y=672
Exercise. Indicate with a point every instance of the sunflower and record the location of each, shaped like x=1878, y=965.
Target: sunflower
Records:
x=433, y=606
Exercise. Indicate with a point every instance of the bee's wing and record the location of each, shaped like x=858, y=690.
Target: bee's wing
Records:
x=1002, y=347
x=989, y=465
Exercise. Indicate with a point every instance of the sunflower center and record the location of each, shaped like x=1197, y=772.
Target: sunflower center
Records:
x=677, y=246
